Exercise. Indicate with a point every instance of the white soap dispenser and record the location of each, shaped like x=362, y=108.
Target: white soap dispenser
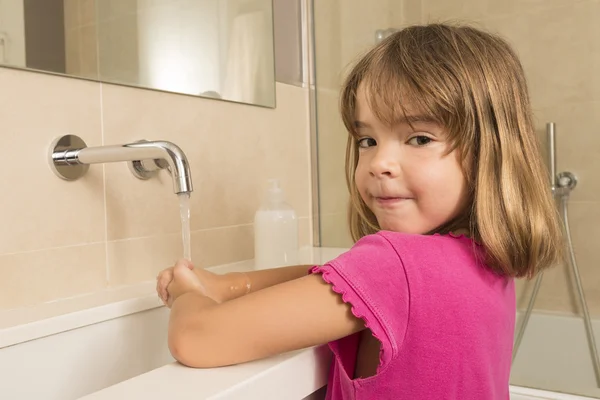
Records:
x=275, y=231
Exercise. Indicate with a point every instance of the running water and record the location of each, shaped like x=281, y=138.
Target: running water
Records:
x=184, y=211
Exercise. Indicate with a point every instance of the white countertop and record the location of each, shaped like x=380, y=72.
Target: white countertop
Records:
x=298, y=373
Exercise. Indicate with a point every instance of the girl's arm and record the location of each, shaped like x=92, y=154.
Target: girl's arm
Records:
x=262, y=279
x=231, y=285
x=295, y=314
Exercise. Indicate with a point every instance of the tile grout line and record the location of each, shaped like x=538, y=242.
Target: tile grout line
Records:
x=106, y=261
x=106, y=241
x=51, y=248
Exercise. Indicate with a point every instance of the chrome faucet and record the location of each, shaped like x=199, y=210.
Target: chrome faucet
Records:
x=70, y=158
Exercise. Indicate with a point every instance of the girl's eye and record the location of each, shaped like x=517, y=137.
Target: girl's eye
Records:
x=366, y=142
x=420, y=140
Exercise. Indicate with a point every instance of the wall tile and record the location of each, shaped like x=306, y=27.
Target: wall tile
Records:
x=514, y=7
x=332, y=153
x=555, y=38
x=585, y=230
x=137, y=260
x=305, y=232
x=410, y=13
x=223, y=245
x=444, y=10
x=40, y=276
x=359, y=21
x=40, y=210
x=334, y=228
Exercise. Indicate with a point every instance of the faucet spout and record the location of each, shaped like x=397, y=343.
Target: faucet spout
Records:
x=70, y=158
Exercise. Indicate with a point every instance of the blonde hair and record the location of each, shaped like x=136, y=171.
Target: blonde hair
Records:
x=473, y=84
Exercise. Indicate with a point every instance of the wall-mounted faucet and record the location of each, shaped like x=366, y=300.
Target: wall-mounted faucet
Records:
x=70, y=158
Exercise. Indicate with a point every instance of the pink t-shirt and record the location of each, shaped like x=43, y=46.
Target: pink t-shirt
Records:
x=444, y=320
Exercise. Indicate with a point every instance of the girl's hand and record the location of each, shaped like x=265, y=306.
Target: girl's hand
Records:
x=220, y=288
x=163, y=280
x=184, y=281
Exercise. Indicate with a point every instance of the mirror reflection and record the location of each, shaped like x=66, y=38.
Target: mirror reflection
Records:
x=212, y=48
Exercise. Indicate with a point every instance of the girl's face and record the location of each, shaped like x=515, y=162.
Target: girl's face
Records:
x=404, y=175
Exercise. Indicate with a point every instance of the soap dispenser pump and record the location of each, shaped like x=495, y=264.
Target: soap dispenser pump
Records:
x=275, y=230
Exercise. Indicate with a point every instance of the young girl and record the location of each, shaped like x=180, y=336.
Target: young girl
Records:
x=449, y=203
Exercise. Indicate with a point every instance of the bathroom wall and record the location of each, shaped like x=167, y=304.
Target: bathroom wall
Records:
x=560, y=50
x=60, y=239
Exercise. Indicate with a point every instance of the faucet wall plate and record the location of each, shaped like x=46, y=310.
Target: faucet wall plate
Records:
x=146, y=169
x=139, y=170
x=58, y=149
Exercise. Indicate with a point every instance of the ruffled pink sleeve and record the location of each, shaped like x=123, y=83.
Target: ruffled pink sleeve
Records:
x=371, y=278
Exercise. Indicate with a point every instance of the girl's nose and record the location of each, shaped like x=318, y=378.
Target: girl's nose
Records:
x=385, y=163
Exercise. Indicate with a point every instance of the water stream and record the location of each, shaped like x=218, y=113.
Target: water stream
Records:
x=184, y=211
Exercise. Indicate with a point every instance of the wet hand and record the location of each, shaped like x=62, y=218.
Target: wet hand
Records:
x=184, y=280
x=218, y=287
x=163, y=280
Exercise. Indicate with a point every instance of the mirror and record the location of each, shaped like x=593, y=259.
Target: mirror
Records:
x=211, y=48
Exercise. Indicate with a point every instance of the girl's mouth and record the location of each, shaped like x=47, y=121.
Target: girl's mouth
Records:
x=390, y=201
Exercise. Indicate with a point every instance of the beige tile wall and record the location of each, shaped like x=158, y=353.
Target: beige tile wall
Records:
x=332, y=135
x=61, y=239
